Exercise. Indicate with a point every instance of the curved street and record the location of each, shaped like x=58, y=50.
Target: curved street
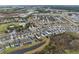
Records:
x=25, y=50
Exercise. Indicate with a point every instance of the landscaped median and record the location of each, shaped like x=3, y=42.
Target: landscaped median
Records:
x=32, y=48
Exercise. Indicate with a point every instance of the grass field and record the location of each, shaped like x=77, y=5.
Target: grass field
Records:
x=72, y=51
x=3, y=27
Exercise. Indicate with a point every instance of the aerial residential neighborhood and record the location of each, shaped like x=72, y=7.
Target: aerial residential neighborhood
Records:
x=39, y=29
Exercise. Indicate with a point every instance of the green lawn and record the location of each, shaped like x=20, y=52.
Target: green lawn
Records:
x=72, y=51
x=3, y=27
x=7, y=50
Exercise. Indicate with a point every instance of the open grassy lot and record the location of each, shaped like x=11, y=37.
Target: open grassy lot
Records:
x=3, y=27
x=72, y=51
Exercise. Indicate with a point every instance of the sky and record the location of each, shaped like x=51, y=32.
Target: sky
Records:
x=39, y=2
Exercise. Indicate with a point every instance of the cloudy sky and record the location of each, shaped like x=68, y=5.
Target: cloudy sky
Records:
x=39, y=2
